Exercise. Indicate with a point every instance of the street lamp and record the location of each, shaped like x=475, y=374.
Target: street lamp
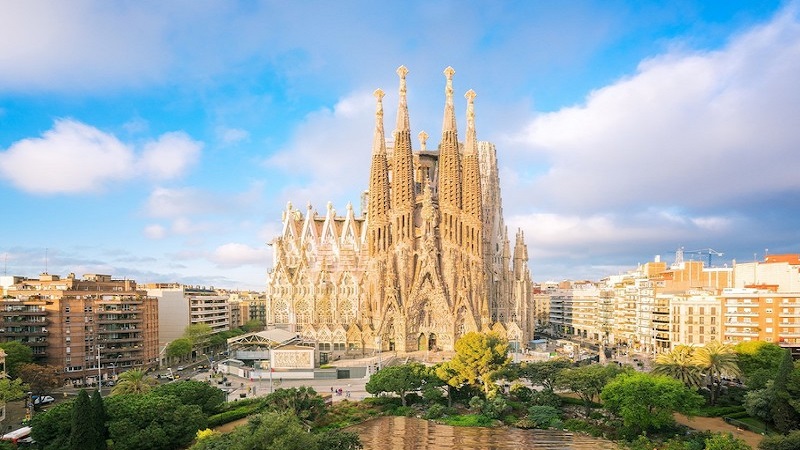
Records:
x=99, y=373
x=114, y=367
x=378, y=343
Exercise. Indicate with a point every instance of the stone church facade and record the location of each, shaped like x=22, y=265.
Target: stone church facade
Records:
x=428, y=260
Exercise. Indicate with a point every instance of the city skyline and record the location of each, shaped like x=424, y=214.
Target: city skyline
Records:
x=161, y=141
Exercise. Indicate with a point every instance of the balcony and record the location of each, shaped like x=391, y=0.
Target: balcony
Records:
x=741, y=333
x=107, y=321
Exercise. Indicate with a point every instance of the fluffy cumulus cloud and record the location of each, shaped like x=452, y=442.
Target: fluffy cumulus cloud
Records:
x=79, y=44
x=674, y=152
x=329, y=154
x=235, y=254
x=73, y=158
x=718, y=120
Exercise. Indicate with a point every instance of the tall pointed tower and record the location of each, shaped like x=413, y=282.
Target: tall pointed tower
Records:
x=378, y=206
x=428, y=261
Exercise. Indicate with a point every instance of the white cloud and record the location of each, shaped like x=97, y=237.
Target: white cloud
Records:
x=155, y=231
x=70, y=158
x=171, y=203
x=82, y=43
x=74, y=158
x=169, y=156
x=332, y=148
x=694, y=129
x=230, y=136
x=235, y=254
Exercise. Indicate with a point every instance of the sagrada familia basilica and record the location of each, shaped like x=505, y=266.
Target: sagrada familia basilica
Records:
x=428, y=261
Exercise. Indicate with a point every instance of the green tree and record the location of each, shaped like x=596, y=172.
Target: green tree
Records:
x=99, y=419
x=679, y=364
x=192, y=392
x=51, y=429
x=759, y=403
x=790, y=441
x=40, y=379
x=646, y=402
x=253, y=326
x=726, y=441
x=544, y=373
x=267, y=431
x=198, y=334
x=83, y=434
x=16, y=353
x=397, y=379
x=542, y=416
x=338, y=440
x=717, y=360
x=792, y=387
x=587, y=381
x=134, y=381
x=784, y=416
x=758, y=362
x=303, y=402
x=151, y=422
x=478, y=356
x=11, y=390
x=179, y=349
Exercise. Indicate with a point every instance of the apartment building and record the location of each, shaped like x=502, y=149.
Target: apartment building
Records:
x=696, y=318
x=181, y=305
x=761, y=314
x=93, y=327
x=782, y=271
x=655, y=307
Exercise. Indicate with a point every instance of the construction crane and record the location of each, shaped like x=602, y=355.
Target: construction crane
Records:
x=709, y=252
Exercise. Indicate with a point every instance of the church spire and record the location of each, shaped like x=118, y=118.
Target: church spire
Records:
x=472, y=195
x=403, y=195
x=450, y=168
x=520, y=264
x=378, y=206
x=449, y=122
x=402, y=107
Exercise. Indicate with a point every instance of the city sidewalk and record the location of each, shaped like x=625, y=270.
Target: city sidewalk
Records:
x=351, y=388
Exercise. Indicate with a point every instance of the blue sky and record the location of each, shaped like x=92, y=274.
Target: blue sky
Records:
x=160, y=141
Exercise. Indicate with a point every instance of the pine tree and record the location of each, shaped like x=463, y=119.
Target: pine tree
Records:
x=83, y=434
x=99, y=419
x=784, y=416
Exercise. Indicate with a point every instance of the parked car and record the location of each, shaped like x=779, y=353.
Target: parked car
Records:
x=43, y=400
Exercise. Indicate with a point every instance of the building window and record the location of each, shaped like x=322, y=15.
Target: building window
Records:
x=66, y=309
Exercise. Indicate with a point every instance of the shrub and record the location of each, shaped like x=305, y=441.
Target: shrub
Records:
x=406, y=411
x=435, y=411
x=542, y=416
x=476, y=403
x=468, y=420
x=496, y=407
x=229, y=416
x=521, y=392
x=546, y=398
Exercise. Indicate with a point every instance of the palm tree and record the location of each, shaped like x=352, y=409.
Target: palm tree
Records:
x=717, y=360
x=679, y=364
x=134, y=381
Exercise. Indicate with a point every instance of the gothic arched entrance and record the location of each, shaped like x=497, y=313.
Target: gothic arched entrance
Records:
x=422, y=342
x=432, y=341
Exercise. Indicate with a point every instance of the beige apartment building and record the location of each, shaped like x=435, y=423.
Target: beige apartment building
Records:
x=656, y=306
x=761, y=315
x=93, y=327
x=180, y=306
